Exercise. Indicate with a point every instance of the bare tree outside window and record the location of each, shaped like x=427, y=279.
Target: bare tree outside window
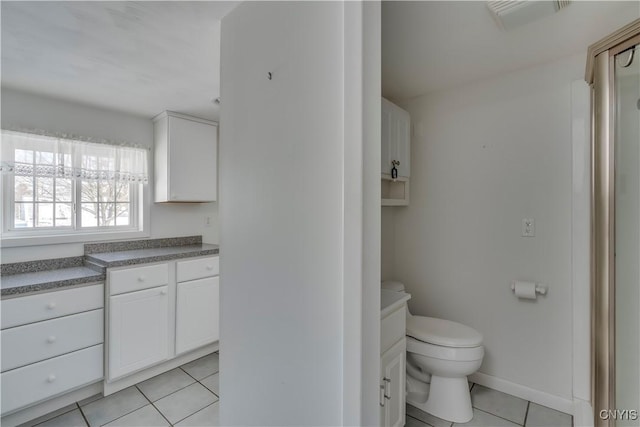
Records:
x=48, y=201
x=105, y=203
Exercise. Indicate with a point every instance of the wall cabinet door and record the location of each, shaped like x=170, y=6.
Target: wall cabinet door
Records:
x=388, y=132
x=186, y=152
x=197, y=313
x=393, y=370
x=403, y=141
x=396, y=139
x=138, y=330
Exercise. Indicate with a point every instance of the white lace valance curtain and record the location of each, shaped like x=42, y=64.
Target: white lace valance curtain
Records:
x=30, y=154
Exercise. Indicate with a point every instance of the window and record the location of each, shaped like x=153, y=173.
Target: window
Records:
x=59, y=186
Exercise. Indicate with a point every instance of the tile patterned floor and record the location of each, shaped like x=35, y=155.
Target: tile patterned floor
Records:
x=188, y=396
x=492, y=408
x=185, y=396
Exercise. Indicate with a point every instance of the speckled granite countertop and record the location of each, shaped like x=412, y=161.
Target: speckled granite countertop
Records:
x=23, y=278
x=140, y=256
x=26, y=283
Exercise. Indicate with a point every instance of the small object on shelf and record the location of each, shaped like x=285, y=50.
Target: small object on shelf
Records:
x=394, y=170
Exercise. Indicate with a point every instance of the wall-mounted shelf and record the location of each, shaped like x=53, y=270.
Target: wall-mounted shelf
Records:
x=394, y=192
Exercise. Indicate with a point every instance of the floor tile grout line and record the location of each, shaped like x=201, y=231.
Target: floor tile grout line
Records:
x=202, y=409
x=52, y=418
x=200, y=381
x=506, y=419
x=123, y=415
x=173, y=392
x=526, y=414
x=154, y=406
x=130, y=412
x=86, y=421
x=423, y=421
x=418, y=419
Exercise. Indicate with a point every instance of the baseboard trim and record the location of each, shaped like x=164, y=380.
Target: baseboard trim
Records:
x=582, y=413
x=536, y=396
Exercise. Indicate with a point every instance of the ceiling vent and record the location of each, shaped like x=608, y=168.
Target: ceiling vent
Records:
x=510, y=14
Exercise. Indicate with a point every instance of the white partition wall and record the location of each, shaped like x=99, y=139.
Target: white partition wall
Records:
x=292, y=215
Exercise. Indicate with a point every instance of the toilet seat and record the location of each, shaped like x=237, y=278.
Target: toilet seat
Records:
x=458, y=354
x=442, y=332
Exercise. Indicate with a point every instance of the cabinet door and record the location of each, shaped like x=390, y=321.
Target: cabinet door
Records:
x=396, y=139
x=393, y=370
x=402, y=139
x=138, y=330
x=387, y=136
x=192, y=160
x=197, y=313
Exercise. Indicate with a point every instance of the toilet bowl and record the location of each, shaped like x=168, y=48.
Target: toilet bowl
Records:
x=440, y=356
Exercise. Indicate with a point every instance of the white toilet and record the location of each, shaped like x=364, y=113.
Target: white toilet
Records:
x=440, y=355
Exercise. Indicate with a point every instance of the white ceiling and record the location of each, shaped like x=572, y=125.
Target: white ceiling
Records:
x=137, y=57
x=428, y=46
x=146, y=57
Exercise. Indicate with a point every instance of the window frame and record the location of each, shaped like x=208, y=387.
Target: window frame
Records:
x=10, y=236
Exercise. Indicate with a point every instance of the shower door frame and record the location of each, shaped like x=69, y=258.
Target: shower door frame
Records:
x=600, y=76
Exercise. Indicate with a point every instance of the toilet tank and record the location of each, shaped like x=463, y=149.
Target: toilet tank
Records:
x=393, y=285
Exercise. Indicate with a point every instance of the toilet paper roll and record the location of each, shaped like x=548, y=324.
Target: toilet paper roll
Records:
x=525, y=290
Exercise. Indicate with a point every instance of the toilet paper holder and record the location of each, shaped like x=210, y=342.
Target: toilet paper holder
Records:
x=540, y=288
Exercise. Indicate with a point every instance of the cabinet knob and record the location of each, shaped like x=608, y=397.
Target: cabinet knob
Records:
x=163, y=292
x=51, y=339
x=51, y=305
x=141, y=279
x=209, y=267
x=51, y=378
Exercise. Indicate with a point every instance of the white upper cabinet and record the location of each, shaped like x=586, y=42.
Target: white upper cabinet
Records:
x=396, y=139
x=186, y=155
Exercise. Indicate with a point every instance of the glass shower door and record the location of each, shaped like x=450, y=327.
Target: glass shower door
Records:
x=626, y=138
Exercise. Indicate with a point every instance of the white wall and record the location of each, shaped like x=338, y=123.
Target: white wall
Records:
x=39, y=112
x=281, y=199
x=485, y=156
x=371, y=239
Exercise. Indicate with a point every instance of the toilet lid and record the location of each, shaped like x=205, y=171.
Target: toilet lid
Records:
x=442, y=332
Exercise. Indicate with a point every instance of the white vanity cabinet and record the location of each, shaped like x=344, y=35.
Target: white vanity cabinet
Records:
x=396, y=150
x=52, y=343
x=393, y=369
x=393, y=347
x=197, y=303
x=185, y=158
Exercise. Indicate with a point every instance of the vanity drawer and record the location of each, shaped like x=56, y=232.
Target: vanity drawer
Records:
x=43, y=340
x=393, y=328
x=198, y=268
x=138, y=278
x=29, y=309
x=33, y=383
